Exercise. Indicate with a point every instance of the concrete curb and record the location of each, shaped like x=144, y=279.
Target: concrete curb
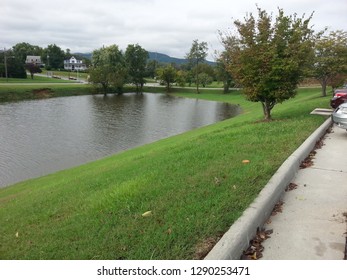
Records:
x=237, y=238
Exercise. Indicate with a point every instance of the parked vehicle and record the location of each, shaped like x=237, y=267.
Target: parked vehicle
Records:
x=339, y=116
x=340, y=97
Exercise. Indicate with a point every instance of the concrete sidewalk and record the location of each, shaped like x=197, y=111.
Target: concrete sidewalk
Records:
x=312, y=225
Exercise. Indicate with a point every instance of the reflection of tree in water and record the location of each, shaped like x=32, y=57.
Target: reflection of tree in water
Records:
x=70, y=131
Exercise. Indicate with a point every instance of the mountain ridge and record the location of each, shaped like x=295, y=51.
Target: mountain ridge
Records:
x=160, y=57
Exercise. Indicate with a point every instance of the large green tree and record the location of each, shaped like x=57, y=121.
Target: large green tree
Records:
x=269, y=57
x=108, y=69
x=330, y=60
x=53, y=56
x=11, y=66
x=22, y=50
x=196, y=56
x=136, y=61
x=167, y=75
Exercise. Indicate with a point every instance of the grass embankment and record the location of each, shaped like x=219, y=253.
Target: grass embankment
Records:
x=195, y=184
x=37, y=79
x=9, y=93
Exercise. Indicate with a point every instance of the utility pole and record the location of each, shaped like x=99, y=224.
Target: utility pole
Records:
x=5, y=60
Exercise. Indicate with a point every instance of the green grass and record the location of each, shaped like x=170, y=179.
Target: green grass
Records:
x=36, y=79
x=195, y=184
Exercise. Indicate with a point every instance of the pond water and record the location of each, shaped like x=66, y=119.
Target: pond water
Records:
x=38, y=137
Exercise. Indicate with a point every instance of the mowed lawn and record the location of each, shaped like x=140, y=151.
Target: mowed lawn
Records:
x=195, y=186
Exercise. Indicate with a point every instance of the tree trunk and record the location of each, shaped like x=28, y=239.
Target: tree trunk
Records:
x=197, y=77
x=267, y=110
x=197, y=85
x=324, y=87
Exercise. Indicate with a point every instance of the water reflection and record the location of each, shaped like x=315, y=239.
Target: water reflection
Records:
x=42, y=136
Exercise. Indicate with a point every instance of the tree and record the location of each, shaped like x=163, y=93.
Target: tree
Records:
x=22, y=50
x=330, y=60
x=167, y=75
x=222, y=73
x=53, y=56
x=269, y=58
x=151, y=68
x=205, y=79
x=181, y=78
x=33, y=68
x=197, y=55
x=108, y=69
x=11, y=66
x=136, y=61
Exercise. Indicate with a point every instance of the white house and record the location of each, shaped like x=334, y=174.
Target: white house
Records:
x=74, y=64
x=33, y=59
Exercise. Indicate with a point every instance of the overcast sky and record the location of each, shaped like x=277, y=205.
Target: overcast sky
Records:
x=166, y=26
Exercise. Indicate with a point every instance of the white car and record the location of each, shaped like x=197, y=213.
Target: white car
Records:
x=339, y=116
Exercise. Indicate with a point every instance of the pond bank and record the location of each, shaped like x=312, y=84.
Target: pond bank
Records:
x=10, y=92
x=195, y=184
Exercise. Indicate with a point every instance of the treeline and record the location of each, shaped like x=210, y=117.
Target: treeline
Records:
x=12, y=61
x=110, y=68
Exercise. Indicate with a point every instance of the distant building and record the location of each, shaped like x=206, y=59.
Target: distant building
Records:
x=74, y=64
x=33, y=59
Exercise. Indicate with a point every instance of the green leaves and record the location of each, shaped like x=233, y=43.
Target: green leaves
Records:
x=330, y=59
x=267, y=57
x=136, y=60
x=108, y=68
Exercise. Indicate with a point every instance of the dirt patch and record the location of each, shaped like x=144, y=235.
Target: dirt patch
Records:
x=43, y=93
x=203, y=248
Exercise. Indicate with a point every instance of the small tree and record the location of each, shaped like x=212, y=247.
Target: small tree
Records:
x=222, y=73
x=136, y=61
x=181, y=78
x=330, y=60
x=167, y=75
x=205, y=79
x=197, y=55
x=269, y=58
x=33, y=69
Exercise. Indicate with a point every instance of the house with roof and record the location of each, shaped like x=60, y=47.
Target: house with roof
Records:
x=74, y=64
x=33, y=59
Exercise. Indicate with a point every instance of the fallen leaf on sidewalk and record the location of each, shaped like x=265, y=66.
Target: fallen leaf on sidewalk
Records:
x=277, y=208
x=254, y=251
x=291, y=187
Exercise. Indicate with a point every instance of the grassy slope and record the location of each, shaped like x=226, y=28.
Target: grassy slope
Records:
x=10, y=93
x=37, y=79
x=195, y=185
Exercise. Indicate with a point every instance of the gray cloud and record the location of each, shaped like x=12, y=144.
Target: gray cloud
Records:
x=157, y=25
